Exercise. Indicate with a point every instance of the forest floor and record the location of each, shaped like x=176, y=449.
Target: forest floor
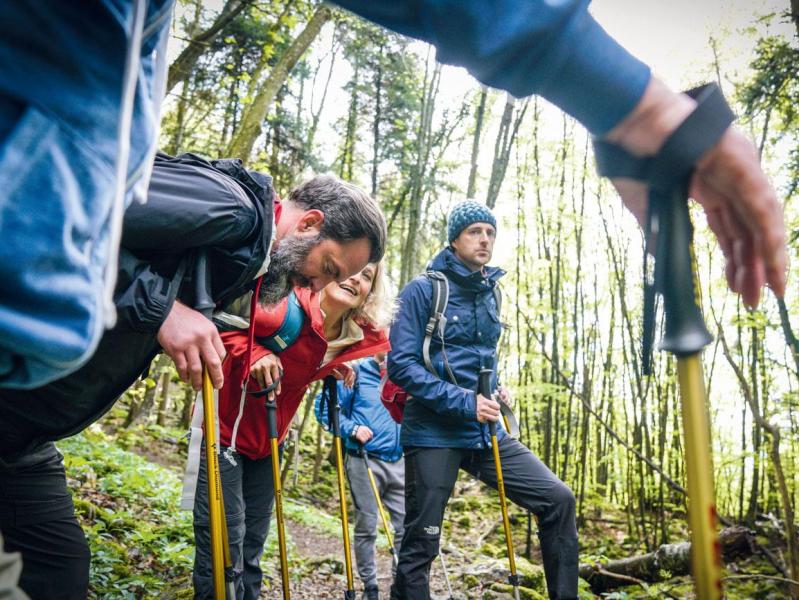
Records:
x=126, y=486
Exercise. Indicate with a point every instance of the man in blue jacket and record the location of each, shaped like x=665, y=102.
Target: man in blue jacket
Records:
x=444, y=428
x=367, y=425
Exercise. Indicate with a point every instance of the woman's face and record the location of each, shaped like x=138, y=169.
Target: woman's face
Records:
x=352, y=292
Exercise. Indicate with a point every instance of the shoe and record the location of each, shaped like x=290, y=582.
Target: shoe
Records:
x=371, y=592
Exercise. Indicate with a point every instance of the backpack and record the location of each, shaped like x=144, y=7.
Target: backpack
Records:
x=393, y=396
x=277, y=341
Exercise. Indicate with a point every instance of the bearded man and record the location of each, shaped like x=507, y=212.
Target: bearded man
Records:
x=326, y=231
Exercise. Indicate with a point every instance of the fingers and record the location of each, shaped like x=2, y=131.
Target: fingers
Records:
x=189, y=338
x=212, y=358
x=195, y=367
x=487, y=410
x=729, y=181
x=181, y=366
x=275, y=373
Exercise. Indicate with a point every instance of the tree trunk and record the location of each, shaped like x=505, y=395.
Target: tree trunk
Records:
x=795, y=14
x=774, y=433
x=163, y=405
x=188, y=400
x=142, y=409
x=183, y=65
x=378, y=116
x=291, y=457
x=478, y=128
x=250, y=126
x=672, y=560
x=508, y=128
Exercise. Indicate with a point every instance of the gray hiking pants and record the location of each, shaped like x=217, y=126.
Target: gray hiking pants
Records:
x=390, y=479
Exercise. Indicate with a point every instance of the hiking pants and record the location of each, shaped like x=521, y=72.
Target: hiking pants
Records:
x=249, y=494
x=37, y=519
x=430, y=475
x=390, y=480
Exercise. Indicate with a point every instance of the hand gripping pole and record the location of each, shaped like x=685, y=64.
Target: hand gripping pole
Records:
x=484, y=389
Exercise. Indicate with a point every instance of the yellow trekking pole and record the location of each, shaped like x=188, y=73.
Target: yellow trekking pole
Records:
x=669, y=237
x=484, y=388
x=333, y=414
x=685, y=336
x=271, y=418
x=380, y=508
x=221, y=563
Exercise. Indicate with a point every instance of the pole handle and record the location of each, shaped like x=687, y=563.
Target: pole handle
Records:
x=331, y=387
x=685, y=332
x=271, y=418
x=484, y=389
x=203, y=301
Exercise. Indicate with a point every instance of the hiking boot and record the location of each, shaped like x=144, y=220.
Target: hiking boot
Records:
x=371, y=592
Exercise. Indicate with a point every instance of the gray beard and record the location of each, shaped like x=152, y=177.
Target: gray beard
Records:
x=285, y=266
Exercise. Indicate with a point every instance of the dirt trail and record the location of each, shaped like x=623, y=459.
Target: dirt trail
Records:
x=325, y=580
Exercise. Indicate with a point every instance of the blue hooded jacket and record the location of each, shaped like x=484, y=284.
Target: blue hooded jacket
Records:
x=441, y=414
x=361, y=405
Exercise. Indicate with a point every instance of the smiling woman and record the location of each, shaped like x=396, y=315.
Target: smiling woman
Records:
x=344, y=322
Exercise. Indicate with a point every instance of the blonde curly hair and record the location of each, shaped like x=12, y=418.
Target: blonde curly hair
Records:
x=381, y=303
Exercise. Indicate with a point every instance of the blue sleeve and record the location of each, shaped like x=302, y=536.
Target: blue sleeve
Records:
x=405, y=362
x=553, y=48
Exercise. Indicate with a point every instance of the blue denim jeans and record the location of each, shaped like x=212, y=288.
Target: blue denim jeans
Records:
x=61, y=139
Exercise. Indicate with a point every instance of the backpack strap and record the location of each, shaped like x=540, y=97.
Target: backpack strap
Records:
x=437, y=321
x=498, y=298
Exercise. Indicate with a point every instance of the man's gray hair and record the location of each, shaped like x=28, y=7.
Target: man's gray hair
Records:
x=350, y=213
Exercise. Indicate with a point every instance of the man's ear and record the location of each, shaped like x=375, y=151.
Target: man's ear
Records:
x=311, y=221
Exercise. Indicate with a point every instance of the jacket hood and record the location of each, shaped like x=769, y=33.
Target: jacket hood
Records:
x=446, y=262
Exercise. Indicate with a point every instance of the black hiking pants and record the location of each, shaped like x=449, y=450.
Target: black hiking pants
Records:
x=37, y=518
x=248, y=493
x=430, y=475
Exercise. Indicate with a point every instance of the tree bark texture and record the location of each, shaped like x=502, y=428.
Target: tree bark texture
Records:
x=253, y=117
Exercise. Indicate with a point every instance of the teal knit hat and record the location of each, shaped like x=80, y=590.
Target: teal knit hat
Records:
x=466, y=212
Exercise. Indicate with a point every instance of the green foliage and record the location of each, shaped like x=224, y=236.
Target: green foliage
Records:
x=141, y=543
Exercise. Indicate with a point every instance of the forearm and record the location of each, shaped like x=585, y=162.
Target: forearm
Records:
x=555, y=49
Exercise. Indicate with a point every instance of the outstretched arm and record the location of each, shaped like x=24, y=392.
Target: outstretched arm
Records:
x=557, y=50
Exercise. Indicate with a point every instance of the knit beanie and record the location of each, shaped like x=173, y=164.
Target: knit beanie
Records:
x=466, y=212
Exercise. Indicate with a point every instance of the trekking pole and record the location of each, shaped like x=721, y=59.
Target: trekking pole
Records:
x=380, y=508
x=484, y=388
x=669, y=240
x=221, y=563
x=685, y=336
x=271, y=419
x=446, y=574
x=333, y=414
